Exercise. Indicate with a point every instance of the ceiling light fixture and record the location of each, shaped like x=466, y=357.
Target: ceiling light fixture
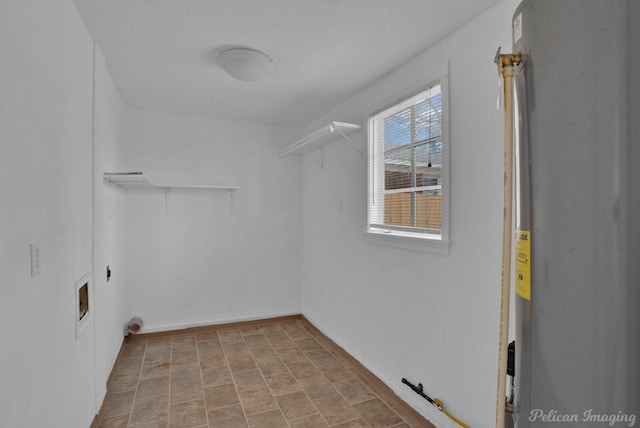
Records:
x=246, y=64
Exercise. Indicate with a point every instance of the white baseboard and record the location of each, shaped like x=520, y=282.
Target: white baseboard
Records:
x=426, y=410
x=174, y=327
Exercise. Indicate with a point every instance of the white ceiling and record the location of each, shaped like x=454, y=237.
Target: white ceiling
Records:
x=161, y=53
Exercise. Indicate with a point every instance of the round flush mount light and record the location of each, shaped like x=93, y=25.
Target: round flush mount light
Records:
x=245, y=63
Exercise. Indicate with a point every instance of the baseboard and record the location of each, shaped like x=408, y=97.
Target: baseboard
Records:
x=169, y=330
x=381, y=388
x=98, y=418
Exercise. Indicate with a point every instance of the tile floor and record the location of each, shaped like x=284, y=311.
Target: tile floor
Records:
x=273, y=375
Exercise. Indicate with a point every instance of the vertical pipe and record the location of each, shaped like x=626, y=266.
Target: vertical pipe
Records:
x=522, y=218
x=506, y=64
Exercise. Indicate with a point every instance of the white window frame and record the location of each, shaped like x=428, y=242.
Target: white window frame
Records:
x=421, y=241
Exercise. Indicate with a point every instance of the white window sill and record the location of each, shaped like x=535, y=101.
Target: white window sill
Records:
x=407, y=241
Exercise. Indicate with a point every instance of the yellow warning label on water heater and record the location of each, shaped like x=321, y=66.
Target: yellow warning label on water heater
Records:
x=523, y=264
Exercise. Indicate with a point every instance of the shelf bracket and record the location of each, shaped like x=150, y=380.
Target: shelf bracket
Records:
x=349, y=140
x=166, y=202
x=321, y=163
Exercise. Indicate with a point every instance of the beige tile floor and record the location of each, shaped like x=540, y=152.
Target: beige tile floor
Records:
x=274, y=374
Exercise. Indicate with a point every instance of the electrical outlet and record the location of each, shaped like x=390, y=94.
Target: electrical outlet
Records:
x=35, y=260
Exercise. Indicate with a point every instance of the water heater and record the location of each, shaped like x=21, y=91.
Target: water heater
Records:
x=577, y=100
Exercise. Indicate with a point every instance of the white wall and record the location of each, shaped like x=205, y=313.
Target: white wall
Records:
x=200, y=256
x=432, y=319
x=47, y=376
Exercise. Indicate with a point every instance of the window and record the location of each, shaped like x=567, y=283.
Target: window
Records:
x=407, y=167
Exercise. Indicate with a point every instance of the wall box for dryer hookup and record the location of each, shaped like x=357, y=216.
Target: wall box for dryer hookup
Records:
x=82, y=304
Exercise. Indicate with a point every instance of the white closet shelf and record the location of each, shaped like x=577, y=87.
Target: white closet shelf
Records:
x=138, y=180
x=321, y=137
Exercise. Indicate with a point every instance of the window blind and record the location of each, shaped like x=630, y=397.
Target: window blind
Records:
x=405, y=165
